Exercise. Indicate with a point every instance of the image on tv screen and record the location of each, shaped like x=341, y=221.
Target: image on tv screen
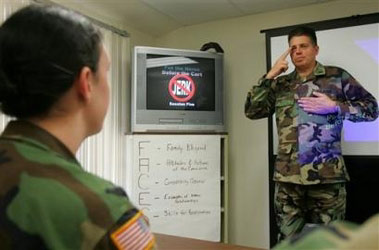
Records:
x=180, y=83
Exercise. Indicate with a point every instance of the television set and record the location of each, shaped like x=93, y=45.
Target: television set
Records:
x=176, y=90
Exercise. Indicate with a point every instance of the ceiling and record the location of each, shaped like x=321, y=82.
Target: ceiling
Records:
x=157, y=17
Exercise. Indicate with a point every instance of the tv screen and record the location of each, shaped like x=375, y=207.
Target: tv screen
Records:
x=180, y=83
x=176, y=90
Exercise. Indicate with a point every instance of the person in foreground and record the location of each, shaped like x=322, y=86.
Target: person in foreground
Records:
x=310, y=104
x=336, y=235
x=53, y=80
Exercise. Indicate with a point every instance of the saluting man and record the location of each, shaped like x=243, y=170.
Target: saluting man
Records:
x=310, y=104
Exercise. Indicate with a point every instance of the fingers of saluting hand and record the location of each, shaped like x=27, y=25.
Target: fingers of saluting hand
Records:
x=280, y=66
x=282, y=60
x=285, y=54
x=283, y=66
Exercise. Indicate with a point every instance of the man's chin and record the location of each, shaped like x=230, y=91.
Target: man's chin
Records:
x=300, y=65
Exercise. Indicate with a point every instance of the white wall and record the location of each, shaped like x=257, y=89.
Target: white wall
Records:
x=245, y=62
x=136, y=37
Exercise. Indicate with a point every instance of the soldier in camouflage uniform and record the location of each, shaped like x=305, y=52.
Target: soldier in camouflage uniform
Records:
x=53, y=80
x=336, y=235
x=310, y=104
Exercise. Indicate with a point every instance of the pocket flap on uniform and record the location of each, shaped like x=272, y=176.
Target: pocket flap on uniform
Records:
x=284, y=102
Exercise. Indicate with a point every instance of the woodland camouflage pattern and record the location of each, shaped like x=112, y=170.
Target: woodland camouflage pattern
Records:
x=47, y=201
x=309, y=150
x=337, y=235
x=324, y=203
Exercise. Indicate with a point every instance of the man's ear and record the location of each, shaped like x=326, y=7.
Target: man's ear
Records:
x=317, y=49
x=84, y=83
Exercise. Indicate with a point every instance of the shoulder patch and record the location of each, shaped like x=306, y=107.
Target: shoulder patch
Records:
x=134, y=234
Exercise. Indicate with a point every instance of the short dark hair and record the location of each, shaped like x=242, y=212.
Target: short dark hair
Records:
x=303, y=31
x=42, y=51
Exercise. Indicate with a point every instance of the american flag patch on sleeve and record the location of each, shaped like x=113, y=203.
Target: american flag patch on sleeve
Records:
x=134, y=234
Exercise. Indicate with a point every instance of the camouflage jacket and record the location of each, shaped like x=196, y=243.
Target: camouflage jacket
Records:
x=309, y=150
x=47, y=200
x=337, y=235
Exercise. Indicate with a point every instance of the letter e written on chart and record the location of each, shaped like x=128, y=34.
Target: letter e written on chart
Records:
x=142, y=199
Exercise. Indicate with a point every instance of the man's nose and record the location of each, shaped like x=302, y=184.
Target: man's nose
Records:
x=298, y=50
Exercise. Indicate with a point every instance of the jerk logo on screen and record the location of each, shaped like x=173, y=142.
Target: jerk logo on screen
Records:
x=181, y=88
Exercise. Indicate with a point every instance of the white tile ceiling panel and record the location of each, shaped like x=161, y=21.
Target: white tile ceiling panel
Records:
x=157, y=17
x=188, y=12
x=134, y=13
x=248, y=7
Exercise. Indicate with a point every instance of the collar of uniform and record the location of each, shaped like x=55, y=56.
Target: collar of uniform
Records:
x=318, y=70
x=24, y=130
